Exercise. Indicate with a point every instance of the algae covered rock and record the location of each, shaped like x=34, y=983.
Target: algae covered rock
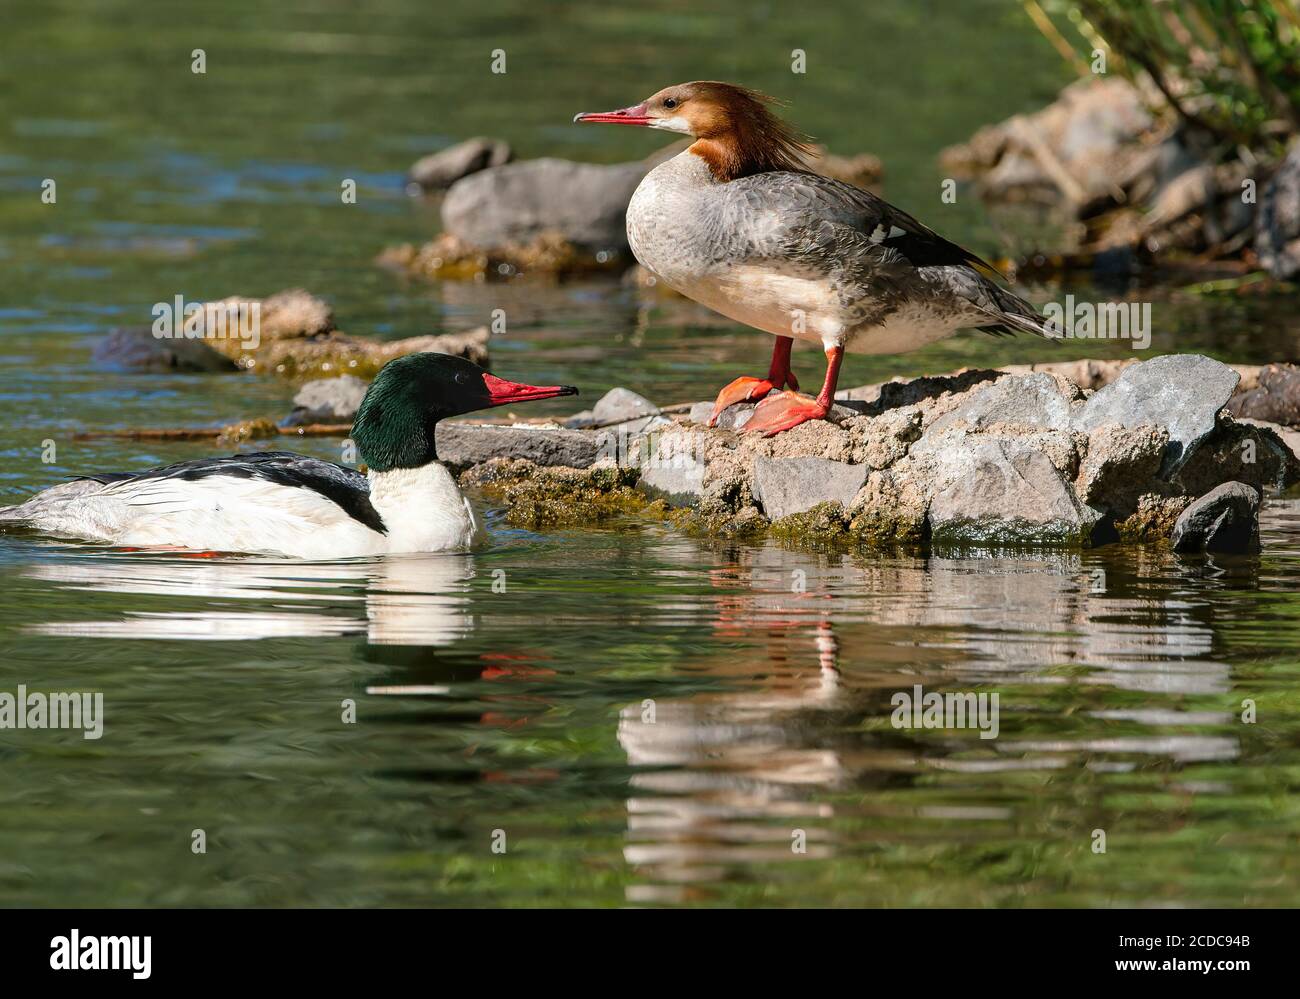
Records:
x=787, y=486
x=537, y=497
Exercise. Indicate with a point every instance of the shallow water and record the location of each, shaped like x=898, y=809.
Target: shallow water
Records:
x=505, y=698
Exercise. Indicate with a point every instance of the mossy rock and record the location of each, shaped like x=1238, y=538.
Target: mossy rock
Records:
x=537, y=497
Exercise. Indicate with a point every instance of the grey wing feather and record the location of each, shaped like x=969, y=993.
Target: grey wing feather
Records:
x=881, y=249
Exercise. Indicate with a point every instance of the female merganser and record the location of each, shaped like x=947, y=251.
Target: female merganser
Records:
x=287, y=504
x=738, y=223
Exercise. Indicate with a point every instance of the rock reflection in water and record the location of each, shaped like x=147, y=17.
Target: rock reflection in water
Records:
x=728, y=780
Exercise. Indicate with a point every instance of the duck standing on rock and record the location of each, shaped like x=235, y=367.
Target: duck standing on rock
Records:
x=281, y=503
x=737, y=223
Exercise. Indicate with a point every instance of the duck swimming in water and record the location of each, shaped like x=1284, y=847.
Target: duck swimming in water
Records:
x=738, y=223
x=287, y=504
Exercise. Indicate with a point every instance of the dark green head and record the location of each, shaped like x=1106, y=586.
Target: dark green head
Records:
x=395, y=422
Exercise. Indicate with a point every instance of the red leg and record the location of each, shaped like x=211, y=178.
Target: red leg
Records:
x=744, y=388
x=789, y=409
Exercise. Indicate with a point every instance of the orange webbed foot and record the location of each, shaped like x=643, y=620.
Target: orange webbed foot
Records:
x=741, y=390
x=783, y=411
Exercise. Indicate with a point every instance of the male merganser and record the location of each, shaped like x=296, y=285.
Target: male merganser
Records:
x=288, y=504
x=738, y=223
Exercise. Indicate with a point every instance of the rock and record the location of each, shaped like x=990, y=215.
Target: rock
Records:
x=1289, y=437
x=1238, y=451
x=448, y=257
x=1036, y=400
x=1274, y=399
x=137, y=349
x=888, y=510
x=700, y=412
x=257, y=429
x=1226, y=519
x=338, y=353
x=580, y=420
x=438, y=171
x=786, y=486
x=285, y=315
x=619, y=404
x=1074, y=148
x=1121, y=465
x=462, y=445
x=1181, y=392
x=1277, y=226
x=677, y=478
x=582, y=203
x=996, y=490
x=327, y=400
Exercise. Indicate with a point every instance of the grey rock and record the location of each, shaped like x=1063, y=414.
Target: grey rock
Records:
x=438, y=171
x=1181, y=392
x=677, y=479
x=639, y=425
x=464, y=444
x=700, y=412
x=1277, y=229
x=786, y=486
x=1121, y=465
x=1226, y=519
x=137, y=349
x=622, y=404
x=327, y=400
x=995, y=490
x=1036, y=400
x=579, y=420
x=584, y=203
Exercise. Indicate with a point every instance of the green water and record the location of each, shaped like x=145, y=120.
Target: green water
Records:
x=504, y=699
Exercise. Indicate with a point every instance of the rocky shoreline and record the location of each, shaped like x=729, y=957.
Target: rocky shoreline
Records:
x=985, y=458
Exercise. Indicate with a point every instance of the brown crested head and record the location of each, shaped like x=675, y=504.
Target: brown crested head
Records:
x=735, y=131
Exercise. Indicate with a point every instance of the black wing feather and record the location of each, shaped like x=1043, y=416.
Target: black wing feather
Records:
x=345, y=487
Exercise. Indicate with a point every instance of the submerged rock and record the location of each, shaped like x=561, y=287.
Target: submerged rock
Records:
x=137, y=349
x=1226, y=519
x=438, y=171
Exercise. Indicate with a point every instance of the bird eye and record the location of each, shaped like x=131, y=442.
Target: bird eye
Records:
x=461, y=378
x=670, y=103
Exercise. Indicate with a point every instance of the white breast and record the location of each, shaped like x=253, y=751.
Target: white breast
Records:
x=424, y=510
